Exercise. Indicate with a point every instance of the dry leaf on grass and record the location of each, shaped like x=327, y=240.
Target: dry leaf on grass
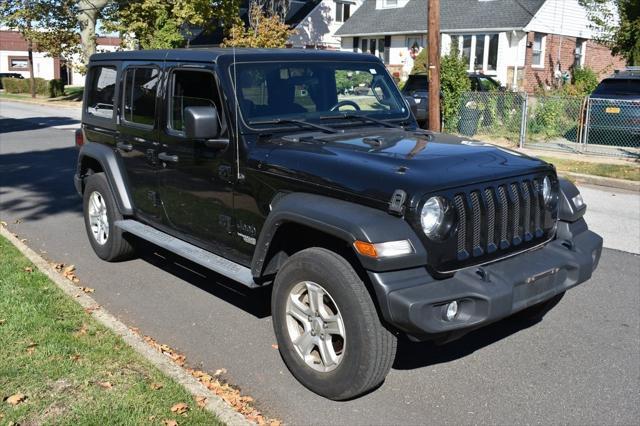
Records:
x=28, y=269
x=201, y=401
x=23, y=240
x=31, y=348
x=105, y=385
x=180, y=408
x=220, y=371
x=3, y=223
x=82, y=331
x=2, y=321
x=87, y=289
x=75, y=357
x=16, y=399
x=168, y=422
x=156, y=386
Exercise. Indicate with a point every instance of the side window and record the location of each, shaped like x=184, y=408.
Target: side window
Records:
x=191, y=88
x=102, y=89
x=139, y=105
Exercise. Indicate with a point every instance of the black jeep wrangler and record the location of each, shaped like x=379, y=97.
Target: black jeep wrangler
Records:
x=267, y=167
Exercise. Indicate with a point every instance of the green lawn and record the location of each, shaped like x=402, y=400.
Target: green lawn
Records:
x=618, y=171
x=70, y=369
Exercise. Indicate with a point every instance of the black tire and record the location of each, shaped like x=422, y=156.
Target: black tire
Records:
x=369, y=348
x=115, y=247
x=537, y=312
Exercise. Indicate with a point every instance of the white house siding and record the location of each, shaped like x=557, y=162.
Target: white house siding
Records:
x=319, y=27
x=563, y=17
x=42, y=65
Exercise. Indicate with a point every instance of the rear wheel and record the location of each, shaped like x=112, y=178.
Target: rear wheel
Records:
x=327, y=327
x=537, y=312
x=100, y=215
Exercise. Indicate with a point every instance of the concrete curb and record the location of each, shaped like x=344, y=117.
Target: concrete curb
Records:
x=42, y=103
x=629, y=185
x=215, y=404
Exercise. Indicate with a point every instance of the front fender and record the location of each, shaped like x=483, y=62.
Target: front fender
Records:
x=113, y=169
x=344, y=220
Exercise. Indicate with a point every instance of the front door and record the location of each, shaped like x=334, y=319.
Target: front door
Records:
x=195, y=180
x=137, y=138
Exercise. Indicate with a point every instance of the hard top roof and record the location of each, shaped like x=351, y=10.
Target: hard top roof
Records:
x=242, y=54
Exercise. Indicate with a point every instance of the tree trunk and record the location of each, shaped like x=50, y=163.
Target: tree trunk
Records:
x=32, y=80
x=87, y=17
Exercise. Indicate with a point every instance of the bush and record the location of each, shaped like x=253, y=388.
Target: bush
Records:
x=56, y=88
x=454, y=81
x=585, y=80
x=43, y=87
x=420, y=63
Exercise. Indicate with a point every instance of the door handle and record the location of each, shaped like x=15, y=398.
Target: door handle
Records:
x=169, y=158
x=124, y=146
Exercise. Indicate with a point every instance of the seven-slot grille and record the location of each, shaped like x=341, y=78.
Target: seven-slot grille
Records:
x=498, y=217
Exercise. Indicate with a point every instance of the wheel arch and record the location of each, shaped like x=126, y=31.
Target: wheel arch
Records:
x=94, y=157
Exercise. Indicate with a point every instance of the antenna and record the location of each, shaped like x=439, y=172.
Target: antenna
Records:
x=236, y=108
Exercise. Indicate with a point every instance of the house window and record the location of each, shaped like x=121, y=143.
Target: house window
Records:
x=537, y=57
x=581, y=50
x=415, y=43
x=343, y=11
x=376, y=46
x=479, y=50
x=18, y=63
x=389, y=3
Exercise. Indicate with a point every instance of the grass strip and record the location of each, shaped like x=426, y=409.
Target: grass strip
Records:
x=617, y=171
x=70, y=369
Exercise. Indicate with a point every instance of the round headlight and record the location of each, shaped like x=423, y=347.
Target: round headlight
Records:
x=432, y=216
x=546, y=190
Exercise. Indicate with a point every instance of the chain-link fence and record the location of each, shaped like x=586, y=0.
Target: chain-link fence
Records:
x=573, y=124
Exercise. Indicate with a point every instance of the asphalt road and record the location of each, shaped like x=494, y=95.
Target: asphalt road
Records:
x=580, y=365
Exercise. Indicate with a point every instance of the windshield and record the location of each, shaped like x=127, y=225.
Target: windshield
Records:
x=618, y=87
x=315, y=90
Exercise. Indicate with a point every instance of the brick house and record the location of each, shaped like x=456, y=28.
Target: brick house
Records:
x=14, y=58
x=525, y=44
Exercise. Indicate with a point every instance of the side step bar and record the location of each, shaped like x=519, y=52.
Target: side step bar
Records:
x=195, y=254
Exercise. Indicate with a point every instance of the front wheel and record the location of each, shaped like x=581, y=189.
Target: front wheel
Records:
x=327, y=327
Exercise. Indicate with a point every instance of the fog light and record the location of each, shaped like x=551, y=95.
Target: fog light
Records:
x=452, y=311
x=578, y=201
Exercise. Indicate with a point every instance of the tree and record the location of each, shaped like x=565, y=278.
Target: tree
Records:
x=454, y=81
x=623, y=38
x=47, y=26
x=263, y=31
x=163, y=24
x=87, y=14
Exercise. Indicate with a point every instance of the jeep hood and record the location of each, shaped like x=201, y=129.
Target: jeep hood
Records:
x=373, y=163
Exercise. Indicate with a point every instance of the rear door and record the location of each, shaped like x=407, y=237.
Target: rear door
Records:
x=137, y=137
x=195, y=179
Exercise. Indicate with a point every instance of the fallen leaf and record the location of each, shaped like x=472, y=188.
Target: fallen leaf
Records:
x=168, y=422
x=152, y=418
x=75, y=357
x=90, y=309
x=23, y=240
x=69, y=269
x=3, y=224
x=220, y=371
x=274, y=346
x=201, y=401
x=17, y=221
x=31, y=348
x=156, y=386
x=105, y=385
x=58, y=266
x=87, y=289
x=28, y=269
x=16, y=399
x=2, y=321
x=82, y=331
x=180, y=408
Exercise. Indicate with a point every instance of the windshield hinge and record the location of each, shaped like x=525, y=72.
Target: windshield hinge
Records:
x=396, y=205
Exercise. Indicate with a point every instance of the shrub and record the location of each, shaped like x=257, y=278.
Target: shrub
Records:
x=43, y=87
x=420, y=63
x=56, y=88
x=585, y=80
x=454, y=81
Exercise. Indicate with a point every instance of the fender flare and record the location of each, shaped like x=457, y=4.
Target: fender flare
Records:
x=114, y=171
x=344, y=220
x=567, y=210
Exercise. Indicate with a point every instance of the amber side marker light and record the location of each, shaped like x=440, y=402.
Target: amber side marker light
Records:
x=386, y=249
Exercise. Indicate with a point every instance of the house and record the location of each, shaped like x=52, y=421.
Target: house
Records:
x=14, y=58
x=317, y=29
x=525, y=44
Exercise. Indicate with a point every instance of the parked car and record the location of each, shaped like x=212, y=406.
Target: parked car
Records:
x=252, y=163
x=9, y=75
x=416, y=90
x=614, y=114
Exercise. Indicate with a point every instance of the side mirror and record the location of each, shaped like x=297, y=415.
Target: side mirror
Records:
x=201, y=122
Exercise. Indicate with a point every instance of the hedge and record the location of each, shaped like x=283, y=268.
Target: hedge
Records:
x=50, y=88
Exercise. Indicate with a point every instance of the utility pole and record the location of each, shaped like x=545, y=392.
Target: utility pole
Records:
x=433, y=45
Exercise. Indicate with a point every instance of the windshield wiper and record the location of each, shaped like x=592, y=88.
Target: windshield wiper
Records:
x=301, y=123
x=364, y=118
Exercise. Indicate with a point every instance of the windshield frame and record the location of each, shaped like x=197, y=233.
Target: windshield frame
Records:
x=239, y=115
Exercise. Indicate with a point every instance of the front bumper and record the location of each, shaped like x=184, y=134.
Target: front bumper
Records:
x=415, y=302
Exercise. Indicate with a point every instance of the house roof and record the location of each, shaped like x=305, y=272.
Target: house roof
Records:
x=455, y=15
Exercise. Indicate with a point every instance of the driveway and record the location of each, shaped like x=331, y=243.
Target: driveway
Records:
x=580, y=365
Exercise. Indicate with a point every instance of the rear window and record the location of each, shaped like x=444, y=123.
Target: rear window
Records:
x=416, y=83
x=102, y=89
x=618, y=86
